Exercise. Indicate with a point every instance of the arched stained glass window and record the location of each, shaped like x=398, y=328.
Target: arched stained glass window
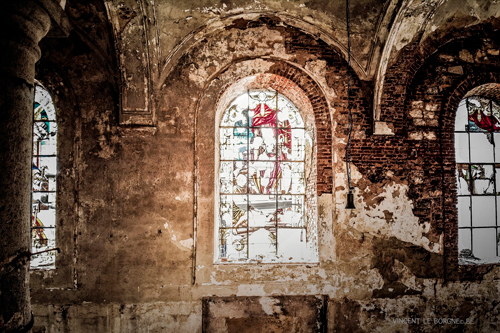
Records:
x=477, y=154
x=264, y=208
x=44, y=174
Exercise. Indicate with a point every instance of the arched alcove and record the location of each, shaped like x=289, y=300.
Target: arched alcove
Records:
x=217, y=100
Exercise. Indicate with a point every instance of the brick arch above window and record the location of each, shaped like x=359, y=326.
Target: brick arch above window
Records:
x=488, y=90
x=474, y=84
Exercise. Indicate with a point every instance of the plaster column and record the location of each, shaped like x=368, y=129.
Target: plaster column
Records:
x=23, y=23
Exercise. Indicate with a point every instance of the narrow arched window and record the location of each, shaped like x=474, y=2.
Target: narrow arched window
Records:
x=477, y=154
x=44, y=180
x=264, y=195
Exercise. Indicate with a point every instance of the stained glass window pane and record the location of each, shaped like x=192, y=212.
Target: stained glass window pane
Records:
x=237, y=114
x=44, y=138
x=44, y=209
x=233, y=143
x=291, y=211
x=289, y=113
x=262, y=185
x=483, y=211
x=294, y=149
x=463, y=179
x=43, y=108
x=464, y=239
x=262, y=244
x=234, y=176
x=482, y=178
x=44, y=180
x=483, y=115
x=44, y=173
x=262, y=211
x=464, y=211
x=43, y=239
x=233, y=210
x=292, y=180
x=462, y=119
x=462, y=147
x=233, y=244
x=481, y=147
x=263, y=177
x=485, y=242
x=292, y=243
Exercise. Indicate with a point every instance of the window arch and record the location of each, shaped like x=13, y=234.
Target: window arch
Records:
x=44, y=180
x=477, y=155
x=266, y=206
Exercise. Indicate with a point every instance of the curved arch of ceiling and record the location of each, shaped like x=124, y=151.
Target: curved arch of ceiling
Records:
x=211, y=29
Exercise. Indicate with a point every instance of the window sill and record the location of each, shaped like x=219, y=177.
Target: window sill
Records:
x=255, y=262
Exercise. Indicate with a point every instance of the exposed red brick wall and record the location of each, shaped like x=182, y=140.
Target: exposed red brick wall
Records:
x=432, y=99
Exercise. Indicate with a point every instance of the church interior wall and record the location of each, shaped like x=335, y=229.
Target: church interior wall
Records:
x=136, y=200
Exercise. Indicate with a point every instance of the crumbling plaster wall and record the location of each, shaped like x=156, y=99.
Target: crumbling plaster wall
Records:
x=141, y=193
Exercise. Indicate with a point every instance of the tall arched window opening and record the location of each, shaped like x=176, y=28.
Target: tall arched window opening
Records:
x=477, y=154
x=44, y=180
x=266, y=206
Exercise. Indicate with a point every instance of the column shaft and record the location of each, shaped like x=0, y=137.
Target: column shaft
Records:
x=23, y=23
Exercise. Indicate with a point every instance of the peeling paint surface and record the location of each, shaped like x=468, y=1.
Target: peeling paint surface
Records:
x=389, y=213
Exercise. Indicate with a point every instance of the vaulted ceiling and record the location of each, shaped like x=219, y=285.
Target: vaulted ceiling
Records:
x=146, y=38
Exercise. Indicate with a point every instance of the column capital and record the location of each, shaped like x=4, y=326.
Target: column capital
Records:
x=60, y=26
x=23, y=23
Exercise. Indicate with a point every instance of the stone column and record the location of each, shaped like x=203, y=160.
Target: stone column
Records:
x=23, y=23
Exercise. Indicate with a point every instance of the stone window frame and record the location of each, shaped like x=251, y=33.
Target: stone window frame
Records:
x=64, y=276
x=205, y=272
x=453, y=270
x=55, y=120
